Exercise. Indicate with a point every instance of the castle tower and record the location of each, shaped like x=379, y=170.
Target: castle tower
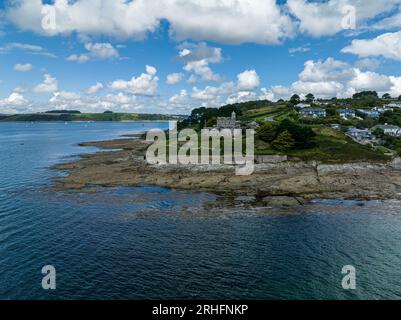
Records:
x=233, y=115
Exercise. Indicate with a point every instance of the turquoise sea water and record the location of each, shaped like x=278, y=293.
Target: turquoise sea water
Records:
x=140, y=243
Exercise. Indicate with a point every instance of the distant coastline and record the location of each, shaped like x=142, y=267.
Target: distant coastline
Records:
x=87, y=117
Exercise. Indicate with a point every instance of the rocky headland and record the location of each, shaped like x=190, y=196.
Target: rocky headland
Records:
x=122, y=163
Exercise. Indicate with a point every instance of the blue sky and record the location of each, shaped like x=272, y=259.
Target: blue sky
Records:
x=170, y=56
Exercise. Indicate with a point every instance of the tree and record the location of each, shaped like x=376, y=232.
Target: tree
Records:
x=399, y=98
x=303, y=136
x=310, y=98
x=379, y=133
x=366, y=94
x=386, y=96
x=267, y=132
x=211, y=122
x=284, y=142
x=295, y=99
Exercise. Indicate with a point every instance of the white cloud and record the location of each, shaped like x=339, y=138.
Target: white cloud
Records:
x=391, y=22
x=101, y=51
x=319, y=89
x=15, y=99
x=180, y=98
x=369, y=64
x=49, y=85
x=210, y=93
x=95, y=88
x=202, y=69
x=327, y=70
x=27, y=48
x=174, y=78
x=114, y=102
x=23, y=67
x=14, y=103
x=325, y=18
x=334, y=78
x=248, y=80
x=301, y=49
x=227, y=21
x=197, y=58
x=82, y=58
x=369, y=81
x=119, y=19
x=146, y=84
x=387, y=45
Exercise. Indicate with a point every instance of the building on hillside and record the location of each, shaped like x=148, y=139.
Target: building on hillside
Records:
x=252, y=125
x=228, y=123
x=313, y=113
x=269, y=119
x=302, y=105
x=335, y=126
x=372, y=113
x=394, y=104
x=323, y=102
x=361, y=136
x=390, y=130
x=346, y=113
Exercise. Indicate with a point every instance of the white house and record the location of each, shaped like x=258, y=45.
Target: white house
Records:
x=389, y=130
x=346, y=113
x=313, y=113
x=394, y=104
x=361, y=136
x=303, y=105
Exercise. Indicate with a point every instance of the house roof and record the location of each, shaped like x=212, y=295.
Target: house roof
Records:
x=388, y=127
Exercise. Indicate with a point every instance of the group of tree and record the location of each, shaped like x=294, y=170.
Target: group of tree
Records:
x=286, y=135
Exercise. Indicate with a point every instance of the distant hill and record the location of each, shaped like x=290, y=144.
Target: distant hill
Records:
x=64, y=111
x=69, y=116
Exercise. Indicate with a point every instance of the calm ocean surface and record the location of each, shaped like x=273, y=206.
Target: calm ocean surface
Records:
x=104, y=247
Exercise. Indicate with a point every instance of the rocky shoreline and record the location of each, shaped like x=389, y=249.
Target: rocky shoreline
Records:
x=122, y=163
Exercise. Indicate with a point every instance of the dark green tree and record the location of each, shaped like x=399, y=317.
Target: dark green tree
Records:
x=303, y=136
x=310, y=98
x=284, y=142
x=267, y=132
x=295, y=99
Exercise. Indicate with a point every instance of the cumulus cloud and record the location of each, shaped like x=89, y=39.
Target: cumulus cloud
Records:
x=49, y=85
x=146, y=84
x=226, y=21
x=174, y=78
x=334, y=78
x=100, y=51
x=23, y=67
x=14, y=99
x=180, y=98
x=327, y=70
x=197, y=58
x=248, y=80
x=326, y=18
x=387, y=45
x=71, y=100
x=369, y=64
x=95, y=88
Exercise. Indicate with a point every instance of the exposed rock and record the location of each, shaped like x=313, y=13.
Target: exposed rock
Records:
x=126, y=166
x=281, y=201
